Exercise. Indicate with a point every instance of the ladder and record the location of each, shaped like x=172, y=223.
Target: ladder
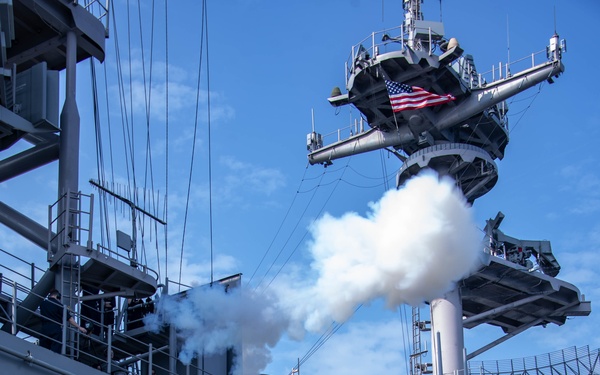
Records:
x=417, y=367
x=67, y=226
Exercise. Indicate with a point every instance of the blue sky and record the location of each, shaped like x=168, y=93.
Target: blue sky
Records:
x=271, y=63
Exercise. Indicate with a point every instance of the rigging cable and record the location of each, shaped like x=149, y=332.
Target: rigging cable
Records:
x=210, y=210
x=333, y=328
x=280, y=226
x=110, y=137
x=306, y=231
x=527, y=108
x=122, y=106
x=193, y=147
x=386, y=185
x=124, y=111
x=290, y=236
x=165, y=211
x=132, y=191
x=149, y=164
x=147, y=101
x=99, y=149
x=105, y=230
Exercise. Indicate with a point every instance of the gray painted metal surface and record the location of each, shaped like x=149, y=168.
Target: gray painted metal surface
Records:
x=461, y=138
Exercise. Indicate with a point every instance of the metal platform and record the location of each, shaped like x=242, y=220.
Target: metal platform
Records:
x=39, y=28
x=111, y=275
x=510, y=296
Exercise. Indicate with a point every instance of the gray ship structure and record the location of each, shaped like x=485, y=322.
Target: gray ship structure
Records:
x=461, y=137
x=422, y=99
x=39, y=39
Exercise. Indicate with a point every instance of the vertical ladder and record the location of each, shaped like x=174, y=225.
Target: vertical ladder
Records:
x=70, y=226
x=417, y=367
x=70, y=290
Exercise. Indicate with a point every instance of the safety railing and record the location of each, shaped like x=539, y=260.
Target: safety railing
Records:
x=92, y=349
x=70, y=220
x=381, y=42
x=98, y=351
x=21, y=270
x=358, y=127
x=11, y=306
x=101, y=353
x=568, y=361
x=100, y=10
x=385, y=41
x=498, y=72
x=125, y=257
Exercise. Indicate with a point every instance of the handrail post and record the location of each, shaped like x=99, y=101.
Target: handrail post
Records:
x=90, y=243
x=63, y=349
x=430, y=51
x=49, y=229
x=67, y=218
x=102, y=311
x=373, y=43
x=109, y=351
x=14, y=309
x=402, y=36
x=150, y=359
x=32, y=275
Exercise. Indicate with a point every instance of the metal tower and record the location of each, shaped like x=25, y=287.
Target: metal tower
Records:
x=424, y=101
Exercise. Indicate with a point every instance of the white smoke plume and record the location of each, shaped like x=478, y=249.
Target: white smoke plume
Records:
x=411, y=247
x=210, y=321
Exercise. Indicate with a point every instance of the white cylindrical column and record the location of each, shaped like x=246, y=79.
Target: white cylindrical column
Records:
x=447, y=334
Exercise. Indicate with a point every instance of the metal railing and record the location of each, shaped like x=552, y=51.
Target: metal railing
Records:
x=568, y=361
x=66, y=220
x=15, y=274
x=100, y=10
x=357, y=127
x=396, y=39
x=384, y=41
x=500, y=71
x=94, y=350
x=11, y=306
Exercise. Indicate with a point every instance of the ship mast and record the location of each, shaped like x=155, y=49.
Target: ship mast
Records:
x=412, y=13
x=461, y=137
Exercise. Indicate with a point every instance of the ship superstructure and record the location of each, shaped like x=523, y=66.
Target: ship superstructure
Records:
x=43, y=40
x=422, y=99
x=40, y=41
x=462, y=138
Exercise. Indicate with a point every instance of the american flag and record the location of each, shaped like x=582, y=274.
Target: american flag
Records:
x=404, y=97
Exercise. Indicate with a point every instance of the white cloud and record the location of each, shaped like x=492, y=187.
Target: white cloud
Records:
x=583, y=183
x=256, y=178
x=142, y=94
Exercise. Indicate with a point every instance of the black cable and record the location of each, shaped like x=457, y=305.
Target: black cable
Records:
x=189, y=188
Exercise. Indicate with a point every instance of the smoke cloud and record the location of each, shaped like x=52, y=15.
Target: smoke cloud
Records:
x=411, y=247
x=211, y=320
